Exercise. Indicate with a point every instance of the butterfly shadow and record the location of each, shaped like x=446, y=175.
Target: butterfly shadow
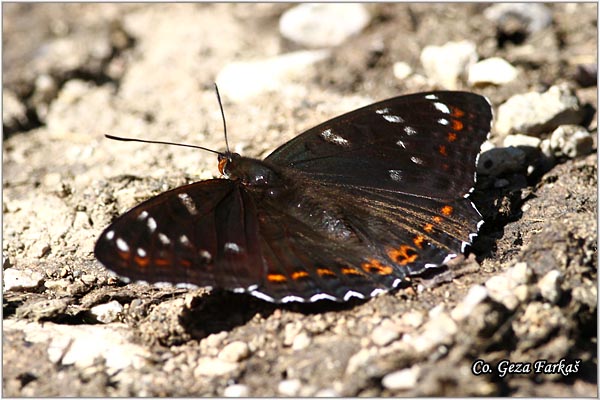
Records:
x=223, y=311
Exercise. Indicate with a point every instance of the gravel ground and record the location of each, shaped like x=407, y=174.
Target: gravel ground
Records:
x=73, y=72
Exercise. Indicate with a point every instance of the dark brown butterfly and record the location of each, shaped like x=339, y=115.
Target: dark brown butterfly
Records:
x=349, y=208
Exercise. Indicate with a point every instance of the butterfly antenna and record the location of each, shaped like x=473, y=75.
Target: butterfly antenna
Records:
x=222, y=115
x=124, y=139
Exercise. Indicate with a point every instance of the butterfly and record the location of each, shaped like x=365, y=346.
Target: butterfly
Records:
x=347, y=209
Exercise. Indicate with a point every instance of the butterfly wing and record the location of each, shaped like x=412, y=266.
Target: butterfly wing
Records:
x=398, y=174
x=203, y=234
x=423, y=144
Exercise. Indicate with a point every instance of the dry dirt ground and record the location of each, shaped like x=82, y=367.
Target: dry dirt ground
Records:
x=74, y=72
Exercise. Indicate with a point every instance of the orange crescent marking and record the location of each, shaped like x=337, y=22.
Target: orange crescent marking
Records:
x=375, y=265
x=447, y=210
x=452, y=136
x=437, y=219
x=325, y=271
x=418, y=241
x=401, y=255
x=162, y=262
x=457, y=125
x=442, y=150
x=299, y=274
x=350, y=271
x=428, y=228
x=276, y=278
x=457, y=112
x=141, y=262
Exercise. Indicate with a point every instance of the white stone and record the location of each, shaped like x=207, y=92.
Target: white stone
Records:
x=521, y=140
x=549, y=286
x=571, y=141
x=403, y=379
x=323, y=24
x=82, y=345
x=235, y=351
x=301, y=341
x=242, y=80
x=236, y=390
x=16, y=279
x=384, y=334
x=107, y=312
x=402, y=70
x=475, y=296
x=289, y=387
x=493, y=70
x=212, y=366
x=445, y=64
x=500, y=289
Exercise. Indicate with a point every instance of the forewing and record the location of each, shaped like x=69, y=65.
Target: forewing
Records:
x=423, y=144
x=204, y=234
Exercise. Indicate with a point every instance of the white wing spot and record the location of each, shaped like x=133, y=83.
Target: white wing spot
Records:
x=143, y=215
x=205, y=255
x=331, y=137
x=395, y=174
x=442, y=107
x=122, y=245
x=401, y=144
x=443, y=121
x=184, y=240
x=410, y=130
x=232, y=247
x=141, y=252
x=151, y=224
x=393, y=118
x=189, y=204
x=163, y=239
x=431, y=97
x=110, y=235
x=416, y=160
x=383, y=111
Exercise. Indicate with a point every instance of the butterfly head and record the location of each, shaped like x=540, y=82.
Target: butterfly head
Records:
x=248, y=171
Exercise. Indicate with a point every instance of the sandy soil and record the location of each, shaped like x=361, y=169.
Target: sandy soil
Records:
x=74, y=72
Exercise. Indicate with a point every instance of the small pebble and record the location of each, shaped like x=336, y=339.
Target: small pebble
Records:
x=536, y=113
x=521, y=140
x=236, y=390
x=384, y=334
x=327, y=393
x=289, y=387
x=402, y=70
x=501, y=160
x=15, y=279
x=500, y=289
x=474, y=297
x=234, y=352
x=493, y=70
x=318, y=25
x=403, y=379
x=571, y=141
x=267, y=75
x=531, y=17
x=211, y=366
x=108, y=312
x=445, y=64
x=549, y=286
x=301, y=341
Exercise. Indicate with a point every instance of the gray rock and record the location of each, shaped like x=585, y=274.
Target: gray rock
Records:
x=571, y=141
x=236, y=390
x=531, y=17
x=108, y=312
x=493, y=70
x=403, y=379
x=538, y=113
x=14, y=279
x=310, y=24
x=445, y=64
x=503, y=160
x=521, y=140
